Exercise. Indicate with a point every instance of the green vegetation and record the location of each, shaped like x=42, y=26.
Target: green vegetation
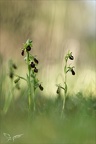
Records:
x=33, y=118
x=27, y=115
x=46, y=125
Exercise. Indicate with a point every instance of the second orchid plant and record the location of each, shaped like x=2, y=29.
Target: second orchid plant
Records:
x=67, y=69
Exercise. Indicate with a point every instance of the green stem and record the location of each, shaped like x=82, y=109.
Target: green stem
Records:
x=12, y=94
x=31, y=91
x=33, y=96
x=29, y=83
x=65, y=90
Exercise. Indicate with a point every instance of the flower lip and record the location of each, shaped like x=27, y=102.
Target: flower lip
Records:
x=35, y=70
x=11, y=75
x=28, y=48
x=32, y=65
x=36, y=61
x=14, y=66
x=22, y=52
x=41, y=88
x=71, y=57
x=73, y=72
x=58, y=91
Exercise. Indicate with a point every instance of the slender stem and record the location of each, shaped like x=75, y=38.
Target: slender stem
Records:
x=29, y=83
x=33, y=96
x=31, y=91
x=12, y=92
x=65, y=90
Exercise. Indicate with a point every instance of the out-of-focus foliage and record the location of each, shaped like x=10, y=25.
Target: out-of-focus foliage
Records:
x=51, y=25
x=46, y=125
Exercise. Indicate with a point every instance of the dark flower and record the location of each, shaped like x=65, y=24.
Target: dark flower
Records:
x=71, y=57
x=32, y=65
x=58, y=91
x=73, y=72
x=28, y=48
x=14, y=66
x=41, y=88
x=11, y=75
x=36, y=61
x=22, y=52
x=35, y=70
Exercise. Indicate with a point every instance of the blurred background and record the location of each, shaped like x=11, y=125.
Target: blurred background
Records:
x=54, y=27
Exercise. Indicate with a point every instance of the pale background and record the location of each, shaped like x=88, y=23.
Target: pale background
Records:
x=54, y=27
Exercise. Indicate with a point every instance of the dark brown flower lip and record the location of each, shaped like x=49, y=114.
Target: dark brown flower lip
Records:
x=41, y=88
x=22, y=52
x=32, y=65
x=28, y=48
x=14, y=66
x=35, y=70
x=36, y=61
x=73, y=72
x=58, y=90
x=11, y=75
x=71, y=57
